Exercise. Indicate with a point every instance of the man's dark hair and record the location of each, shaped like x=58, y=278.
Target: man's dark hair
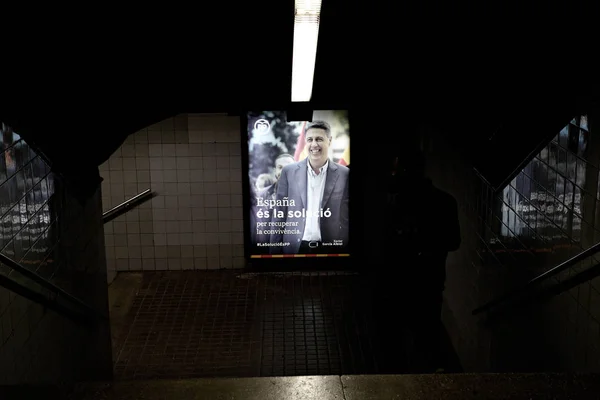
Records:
x=319, y=125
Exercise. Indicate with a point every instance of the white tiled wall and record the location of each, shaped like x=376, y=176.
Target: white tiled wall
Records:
x=193, y=163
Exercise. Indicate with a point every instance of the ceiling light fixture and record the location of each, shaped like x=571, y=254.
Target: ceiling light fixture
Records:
x=306, y=34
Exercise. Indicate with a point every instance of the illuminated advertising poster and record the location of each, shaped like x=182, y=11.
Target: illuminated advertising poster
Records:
x=299, y=185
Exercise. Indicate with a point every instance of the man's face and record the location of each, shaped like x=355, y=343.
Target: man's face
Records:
x=317, y=145
x=280, y=163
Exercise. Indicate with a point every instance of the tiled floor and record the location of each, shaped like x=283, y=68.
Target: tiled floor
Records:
x=230, y=323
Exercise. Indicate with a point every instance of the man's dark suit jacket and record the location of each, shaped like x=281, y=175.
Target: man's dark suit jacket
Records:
x=293, y=185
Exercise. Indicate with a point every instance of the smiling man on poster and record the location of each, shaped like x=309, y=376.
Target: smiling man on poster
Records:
x=310, y=214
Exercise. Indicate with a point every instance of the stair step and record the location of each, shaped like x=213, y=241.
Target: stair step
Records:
x=354, y=387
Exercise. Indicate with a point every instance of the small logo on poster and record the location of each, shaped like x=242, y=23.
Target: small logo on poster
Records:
x=262, y=126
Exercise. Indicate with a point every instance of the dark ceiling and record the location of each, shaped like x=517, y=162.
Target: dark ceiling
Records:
x=91, y=80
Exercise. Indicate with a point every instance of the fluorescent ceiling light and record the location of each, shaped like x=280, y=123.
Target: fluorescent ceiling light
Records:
x=306, y=34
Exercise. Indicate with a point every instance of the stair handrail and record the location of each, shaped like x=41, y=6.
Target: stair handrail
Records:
x=548, y=274
x=139, y=198
x=42, y=300
x=48, y=285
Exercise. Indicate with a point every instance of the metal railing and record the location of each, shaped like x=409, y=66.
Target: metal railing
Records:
x=527, y=291
x=80, y=317
x=63, y=302
x=127, y=205
x=86, y=314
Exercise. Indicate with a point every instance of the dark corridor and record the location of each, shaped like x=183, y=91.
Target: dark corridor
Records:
x=231, y=323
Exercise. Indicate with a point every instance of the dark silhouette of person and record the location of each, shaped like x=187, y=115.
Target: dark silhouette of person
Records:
x=421, y=228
